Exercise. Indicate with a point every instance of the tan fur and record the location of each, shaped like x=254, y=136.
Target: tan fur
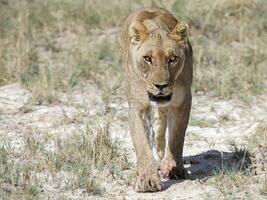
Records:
x=155, y=33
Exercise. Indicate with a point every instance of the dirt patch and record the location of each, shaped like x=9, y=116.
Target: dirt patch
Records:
x=213, y=127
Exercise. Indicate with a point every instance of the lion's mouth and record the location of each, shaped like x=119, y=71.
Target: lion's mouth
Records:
x=159, y=98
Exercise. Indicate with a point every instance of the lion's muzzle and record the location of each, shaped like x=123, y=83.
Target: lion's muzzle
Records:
x=159, y=98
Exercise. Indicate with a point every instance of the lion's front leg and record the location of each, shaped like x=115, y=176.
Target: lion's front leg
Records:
x=148, y=178
x=172, y=164
x=160, y=129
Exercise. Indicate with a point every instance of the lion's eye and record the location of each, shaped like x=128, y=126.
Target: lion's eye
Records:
x=173, y=59
x=148, y=59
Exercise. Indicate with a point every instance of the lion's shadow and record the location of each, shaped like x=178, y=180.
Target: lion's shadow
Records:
x=204, y=165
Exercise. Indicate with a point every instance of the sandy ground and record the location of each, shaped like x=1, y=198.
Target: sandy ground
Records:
x=214, y=123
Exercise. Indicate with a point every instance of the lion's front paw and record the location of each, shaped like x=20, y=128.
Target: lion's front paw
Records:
x=148, y=181
x=170, y=170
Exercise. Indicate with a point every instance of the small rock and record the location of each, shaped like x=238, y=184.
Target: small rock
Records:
x=211, y=119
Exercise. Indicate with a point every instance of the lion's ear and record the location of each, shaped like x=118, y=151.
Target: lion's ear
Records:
x=180, y=32
x=138, y=32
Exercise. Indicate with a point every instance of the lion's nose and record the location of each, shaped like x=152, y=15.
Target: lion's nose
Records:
x=160, y=86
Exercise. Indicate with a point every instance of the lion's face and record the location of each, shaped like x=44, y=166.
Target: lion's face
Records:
x=160, y=63
x=159, y=59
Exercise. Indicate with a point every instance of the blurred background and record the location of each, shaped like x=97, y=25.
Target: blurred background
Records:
x=63, y=110
x=51, y=46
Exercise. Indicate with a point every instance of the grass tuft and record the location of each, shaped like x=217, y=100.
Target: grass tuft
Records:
x=87, y=160
x=88, y=155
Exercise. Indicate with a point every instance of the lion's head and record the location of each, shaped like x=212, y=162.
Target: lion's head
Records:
x=157, y=49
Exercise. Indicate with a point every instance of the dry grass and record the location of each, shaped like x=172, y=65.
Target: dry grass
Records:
x=257, y=144
x=231, y=64
x=200, y=122
x=47, y=46
x=249, y=173
x=85, y=161
x=50, y=46
x=234, y=181
x=233, y=185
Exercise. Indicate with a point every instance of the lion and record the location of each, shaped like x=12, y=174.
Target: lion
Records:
x=157, y=58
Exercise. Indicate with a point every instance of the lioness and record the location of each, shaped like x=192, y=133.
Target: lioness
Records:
x=157, y=57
